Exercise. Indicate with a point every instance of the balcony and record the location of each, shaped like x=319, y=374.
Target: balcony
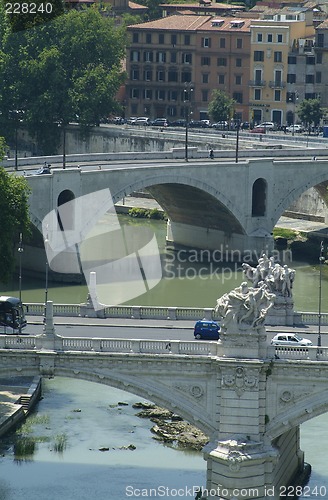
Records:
x=277, y=85
x=257, y=83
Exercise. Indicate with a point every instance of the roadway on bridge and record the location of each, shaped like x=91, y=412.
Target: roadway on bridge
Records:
x=149, y=329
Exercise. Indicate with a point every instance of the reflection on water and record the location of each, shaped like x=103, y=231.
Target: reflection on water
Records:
x=187, y=281
x=88, y=416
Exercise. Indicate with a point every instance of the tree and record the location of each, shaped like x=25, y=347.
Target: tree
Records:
x=62, y=71
x=220, y=107
x=14, y=218
x=310, y=111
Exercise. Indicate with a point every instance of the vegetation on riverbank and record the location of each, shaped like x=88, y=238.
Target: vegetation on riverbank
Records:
x=302, y=245
x=145, y=213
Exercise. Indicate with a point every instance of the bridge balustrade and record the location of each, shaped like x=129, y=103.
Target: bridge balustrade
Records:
x=302, y=353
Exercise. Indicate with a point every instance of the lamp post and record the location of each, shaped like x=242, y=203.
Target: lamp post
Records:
x=20, y=251
x=188, y=89
x=321, y=261
x=237, y=121
x=46, y=283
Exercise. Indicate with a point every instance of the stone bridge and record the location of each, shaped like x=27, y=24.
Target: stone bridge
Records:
x=248, y=397
x=213, y=205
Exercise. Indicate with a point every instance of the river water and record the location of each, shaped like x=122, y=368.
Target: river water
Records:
x=153, y=470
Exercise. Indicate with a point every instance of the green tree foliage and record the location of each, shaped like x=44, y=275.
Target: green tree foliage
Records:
x=62, y=71
x=220, y=107
x=310, y=111
x=14, y=219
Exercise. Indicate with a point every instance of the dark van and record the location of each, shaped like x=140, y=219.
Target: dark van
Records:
x=207, y=330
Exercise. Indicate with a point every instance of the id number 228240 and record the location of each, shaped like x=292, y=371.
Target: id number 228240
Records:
x=28, y=8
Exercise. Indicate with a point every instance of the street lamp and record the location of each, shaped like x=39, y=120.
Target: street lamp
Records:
x=321, y=261
x=47, y=273
x=237, y=121
x=20, y=251
x=188, y=89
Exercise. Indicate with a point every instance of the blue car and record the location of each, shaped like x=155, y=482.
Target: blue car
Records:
x=207, y=330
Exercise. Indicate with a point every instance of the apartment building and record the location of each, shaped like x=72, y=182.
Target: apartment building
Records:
x=281, y=65
x=268, y=65
x=174, y=63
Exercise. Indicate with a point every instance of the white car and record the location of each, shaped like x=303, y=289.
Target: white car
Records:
x=295, y=128
x=290, y=339
x=267, y=125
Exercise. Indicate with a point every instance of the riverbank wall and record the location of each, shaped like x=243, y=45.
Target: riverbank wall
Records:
x=18, y=397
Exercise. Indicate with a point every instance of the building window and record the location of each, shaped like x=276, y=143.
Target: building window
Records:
x=173, y=57
x=309, y=78
x=161, y=57
x=257, y=94
x=291, y=78
x=238, y=62
x=277, y=95
x=172, y=95
x=320, y=40
x=187, y=39
x=160, y=77
x=161, y=38
x=134, y=93
x=206, y=42
x=172, y=75
x=174, y=39
x=239, y=43
x=134, y=74
x=221, y=79
x=172, y=111
x=259, y=37
x=135, y=56
x=238, y=80
x=310, y=60
x=222, y=61
x=148, y=75
x=160, y=95
x=222, y=43
x=148, y=38
x=279, y=38
x=185, y=77
x=187, y=58
x=310, y=95
x=205, y=61
x=292, y=60
x=135, y=37
x=205, y=77
x=277, y=56
x=258, y=76
x=319, y=58
x=318, y=77
x=269, y=37
x=258, y=55
x=238, y=97
x=204, y=95
x=148, y=56
x=148, y=94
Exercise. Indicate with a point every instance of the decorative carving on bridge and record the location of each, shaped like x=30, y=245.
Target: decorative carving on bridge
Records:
x=240, y=381
x=244, y=308
x=279, y=279
x=196, y=391
x=287, y=396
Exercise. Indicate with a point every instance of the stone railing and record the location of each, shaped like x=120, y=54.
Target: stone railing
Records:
x=302, y=353
x=119, y=346
x=153, y=312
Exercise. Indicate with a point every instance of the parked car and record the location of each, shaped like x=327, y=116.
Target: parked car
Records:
x=160, y=122
x=258, y=130
x=223, y=125
x=207, y=330
x=268, y=126
x=178, y=123
x=295, y=128
x=43, y=170
x=141, y=120
x=131, y=120
x=290, y=339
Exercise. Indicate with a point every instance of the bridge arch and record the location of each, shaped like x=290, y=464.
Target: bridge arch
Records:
x=259, y=197
x=187, y=200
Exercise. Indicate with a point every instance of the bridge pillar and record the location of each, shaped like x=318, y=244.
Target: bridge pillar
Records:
x=233, y=246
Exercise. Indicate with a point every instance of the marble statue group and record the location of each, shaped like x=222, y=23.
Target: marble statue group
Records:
x=245, y=308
